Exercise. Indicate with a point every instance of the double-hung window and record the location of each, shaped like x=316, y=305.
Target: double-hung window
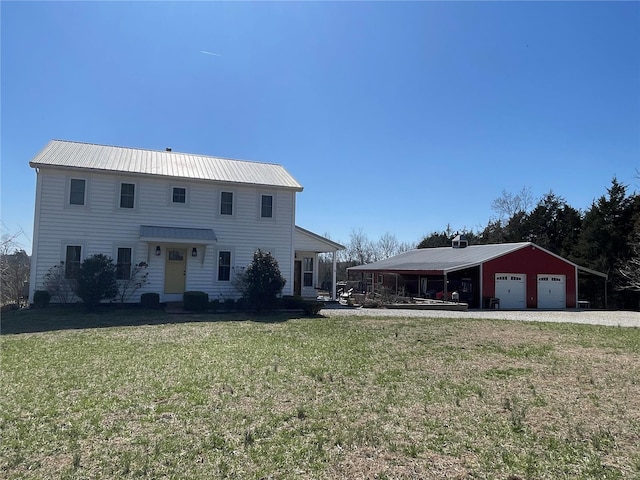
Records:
x=266, y=206
x=77, y=187
x=127, y=195
x=73, y=255
x=224, y=266
x=179, y=195
x=226, y=203
x=123, y=264
x=307, y=268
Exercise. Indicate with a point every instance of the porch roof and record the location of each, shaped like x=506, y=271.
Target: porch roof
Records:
x=306, y=240
x=153, y=233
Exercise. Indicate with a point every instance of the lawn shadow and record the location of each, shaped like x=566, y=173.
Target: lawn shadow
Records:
x=74, y=317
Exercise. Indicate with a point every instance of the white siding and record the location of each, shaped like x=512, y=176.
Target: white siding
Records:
x=310, y=290
x=309, y=242
x=102, y=225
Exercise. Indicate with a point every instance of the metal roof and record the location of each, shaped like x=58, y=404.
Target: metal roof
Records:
x=442, y=259
x=177, y=234
x=61, y=153
x=448, y=259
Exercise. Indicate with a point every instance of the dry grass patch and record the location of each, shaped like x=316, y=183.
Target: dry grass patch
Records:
x=322, y=398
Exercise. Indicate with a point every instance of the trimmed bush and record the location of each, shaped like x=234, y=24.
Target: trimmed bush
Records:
x=150, y=300
x=214, y=305
x=41, y=299
x=241, y=304
x=9, y=307
x=229, y=304
x=292, y=302
x=261, y=283
x=96, y=280
x=196, y=301
x=312, y=307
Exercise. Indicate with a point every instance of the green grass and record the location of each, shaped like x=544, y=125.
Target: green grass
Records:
x=141, y=394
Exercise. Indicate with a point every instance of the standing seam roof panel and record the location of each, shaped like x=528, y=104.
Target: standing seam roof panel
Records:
x=173, y=164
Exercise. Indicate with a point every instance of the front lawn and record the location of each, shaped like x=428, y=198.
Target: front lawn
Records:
x=142, y=394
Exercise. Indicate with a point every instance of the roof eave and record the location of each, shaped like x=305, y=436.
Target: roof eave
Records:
x=320, y=238
x=298, y=188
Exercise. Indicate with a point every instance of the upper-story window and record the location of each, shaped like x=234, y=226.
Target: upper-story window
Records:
x=77, y=188
x=226, y=203
x=179, y=195
x=266, y=206
x=127, y=195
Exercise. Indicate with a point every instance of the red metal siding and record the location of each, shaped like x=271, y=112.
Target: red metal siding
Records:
x=531, y=261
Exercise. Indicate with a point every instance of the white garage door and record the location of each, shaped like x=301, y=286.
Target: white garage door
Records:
x=511, y=290
x=552, y=292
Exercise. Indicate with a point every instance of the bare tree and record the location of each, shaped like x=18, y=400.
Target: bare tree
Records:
x=360, y=249
x=15, y=277
x=14, y=269
x=58, y=286
x=630, y=272
x=137, y=278
x=508, y=204
x=405, y=247
x=387, y=246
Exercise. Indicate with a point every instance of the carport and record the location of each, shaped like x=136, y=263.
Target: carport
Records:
x=509, y=275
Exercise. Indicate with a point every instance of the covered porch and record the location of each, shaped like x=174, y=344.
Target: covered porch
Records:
x=426, y=284
x=308, y=246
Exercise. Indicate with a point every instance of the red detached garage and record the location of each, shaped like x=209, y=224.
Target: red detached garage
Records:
x=508, y=275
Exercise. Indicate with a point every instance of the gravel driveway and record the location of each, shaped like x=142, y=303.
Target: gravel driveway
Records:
x=593, y=317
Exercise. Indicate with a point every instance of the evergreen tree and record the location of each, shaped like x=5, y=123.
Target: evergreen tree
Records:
x=605, y=239
x=443, y=239
x=494, y=232
x=96, y=280
x=553, y=225
x=261, y=282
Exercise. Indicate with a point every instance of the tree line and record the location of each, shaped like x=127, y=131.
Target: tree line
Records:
x=605, y=237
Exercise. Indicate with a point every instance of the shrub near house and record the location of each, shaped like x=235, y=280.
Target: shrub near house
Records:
x=96, y=280
x=261, y=283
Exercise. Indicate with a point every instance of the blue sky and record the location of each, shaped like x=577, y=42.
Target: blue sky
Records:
x=395, y=117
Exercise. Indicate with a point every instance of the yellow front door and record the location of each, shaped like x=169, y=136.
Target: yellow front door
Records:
x=175, y=271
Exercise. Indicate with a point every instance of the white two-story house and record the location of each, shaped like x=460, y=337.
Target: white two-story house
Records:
x=195, y=220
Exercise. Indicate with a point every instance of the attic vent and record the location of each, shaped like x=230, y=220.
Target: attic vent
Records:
x=168, y=149
x=460, y=241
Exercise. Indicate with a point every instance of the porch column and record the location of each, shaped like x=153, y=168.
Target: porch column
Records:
x=445, y=292
x=334, y=275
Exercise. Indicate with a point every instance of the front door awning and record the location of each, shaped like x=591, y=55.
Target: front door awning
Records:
x=151, y=233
